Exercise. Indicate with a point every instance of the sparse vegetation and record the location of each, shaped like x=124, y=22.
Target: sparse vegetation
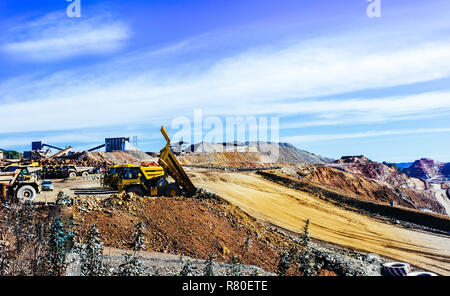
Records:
x=132, y=263
x=92, y=255
x=11, y=154
x=284, y=264
x=306, y=258
x=235, y=269
x=187, y=269
x=209, y=268
x=60, y=243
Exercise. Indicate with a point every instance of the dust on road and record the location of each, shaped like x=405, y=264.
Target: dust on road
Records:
x=289, y=209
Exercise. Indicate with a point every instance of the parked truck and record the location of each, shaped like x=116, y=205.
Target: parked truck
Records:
x=28, y=171
x=65, y=171
x=19, y=185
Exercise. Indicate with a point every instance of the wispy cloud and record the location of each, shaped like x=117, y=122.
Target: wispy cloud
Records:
x=368, y=134
x=55, y=37
x=288, y=78
x=253, y=82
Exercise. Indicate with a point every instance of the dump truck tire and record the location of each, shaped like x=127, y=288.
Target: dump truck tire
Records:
x=421, y=273
x=173, y=190
x=396, y=269
x=136, y=190
x=84, y=174
x=72, y=175
x=26, y=194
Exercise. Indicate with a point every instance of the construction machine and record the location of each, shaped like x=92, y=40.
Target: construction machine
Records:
x=65, y=171
x=109, y=178
x=19, y=185
x=151, y=179
x=26, y=171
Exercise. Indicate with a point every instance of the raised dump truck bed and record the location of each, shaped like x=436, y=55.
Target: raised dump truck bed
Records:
x=169, y=162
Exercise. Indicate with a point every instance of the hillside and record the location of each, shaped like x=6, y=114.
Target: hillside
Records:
x=373, y=170
x=426, y=168
x=250, y=154
x=362, y=187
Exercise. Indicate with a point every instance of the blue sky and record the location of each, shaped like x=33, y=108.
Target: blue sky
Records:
x=340, y=82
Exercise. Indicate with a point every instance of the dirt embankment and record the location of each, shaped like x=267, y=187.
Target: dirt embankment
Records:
x=362, y=188
x=191, y=227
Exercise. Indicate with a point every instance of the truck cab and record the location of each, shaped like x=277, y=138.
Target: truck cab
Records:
x=19, y=185
x=143, y=180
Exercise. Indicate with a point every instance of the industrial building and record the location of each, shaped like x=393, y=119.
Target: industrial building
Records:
x=42, y=150
x=116, y=144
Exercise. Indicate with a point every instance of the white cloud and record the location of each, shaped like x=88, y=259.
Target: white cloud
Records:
x=135, y=89
x=55, y=36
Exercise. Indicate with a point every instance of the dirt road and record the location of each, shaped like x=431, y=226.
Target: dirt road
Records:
x=289, y=209
x=441, y=196
x=77, y=186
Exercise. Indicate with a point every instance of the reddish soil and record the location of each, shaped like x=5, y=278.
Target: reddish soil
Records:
x=363, y=188
x=361, y=165
x=191, y=227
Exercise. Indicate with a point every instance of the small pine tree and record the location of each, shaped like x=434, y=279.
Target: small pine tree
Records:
x=235, y=267
x=131, y=266
x=187, y=269
x=284, y=264
x=306, y=258
x=132, y=263
x=209, y=268
x=256, y=271
x=92, y=254
x=157, y=272
x=58, y=247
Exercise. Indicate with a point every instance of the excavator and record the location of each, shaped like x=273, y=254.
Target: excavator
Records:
x=151, y=179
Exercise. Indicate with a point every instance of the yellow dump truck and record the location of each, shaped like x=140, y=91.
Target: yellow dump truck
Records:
x=151, y=179
x=65, y=171
x=18, y=185
x=109, y=178
x=27, y=171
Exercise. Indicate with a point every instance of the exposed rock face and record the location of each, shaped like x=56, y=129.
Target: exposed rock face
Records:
x=374, y=170
x=426, y=168
x=382, y=182
x=361, y=187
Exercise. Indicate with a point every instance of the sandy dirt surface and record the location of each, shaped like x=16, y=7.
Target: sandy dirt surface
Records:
x=418, y=184
x=77, y=186
x=441, y=196
x=289, y=209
